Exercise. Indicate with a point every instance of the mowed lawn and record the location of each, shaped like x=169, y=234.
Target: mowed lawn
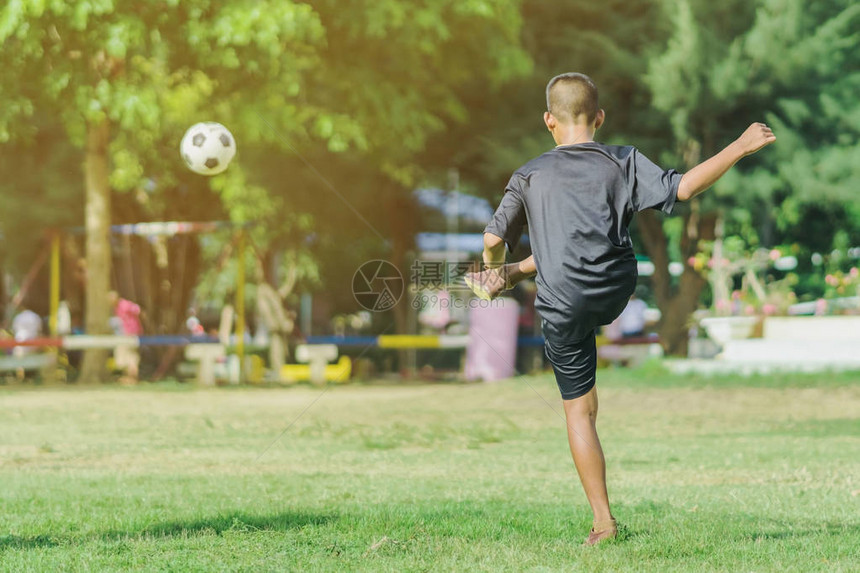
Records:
x=723, y=474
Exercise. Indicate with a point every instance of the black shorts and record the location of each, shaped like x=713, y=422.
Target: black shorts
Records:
x=575, y=365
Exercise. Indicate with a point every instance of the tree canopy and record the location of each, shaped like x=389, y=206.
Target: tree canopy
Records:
x=123, y=81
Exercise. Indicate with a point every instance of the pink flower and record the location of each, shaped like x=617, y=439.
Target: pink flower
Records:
x=749, y=310
x=769, y=309
x=854, y=272
x=831, y=280
x=710, y=263
x=820, y=306
x=722, y=305
x=775, y=255
x=736, y=295
x=691, y=261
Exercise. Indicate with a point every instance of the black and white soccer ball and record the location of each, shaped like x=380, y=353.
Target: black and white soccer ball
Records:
x=208, y=148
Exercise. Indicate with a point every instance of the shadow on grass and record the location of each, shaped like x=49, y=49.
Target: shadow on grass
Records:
x=650, y=519
x=229, y=522
x=789, y=531
x=16, y=542
x=238, y=522
x=465, y=520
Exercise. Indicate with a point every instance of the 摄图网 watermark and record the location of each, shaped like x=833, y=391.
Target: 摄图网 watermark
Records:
x=378, y=285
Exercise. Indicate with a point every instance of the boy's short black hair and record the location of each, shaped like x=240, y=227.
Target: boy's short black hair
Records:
x=571, y=95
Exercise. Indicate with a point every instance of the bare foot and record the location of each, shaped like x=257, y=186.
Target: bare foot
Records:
x=601, y=531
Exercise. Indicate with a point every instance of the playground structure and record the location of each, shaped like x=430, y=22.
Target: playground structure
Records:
x=56, y=340
x=224, y=356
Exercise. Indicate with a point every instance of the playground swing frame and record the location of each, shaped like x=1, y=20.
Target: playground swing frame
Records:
x=52, y=252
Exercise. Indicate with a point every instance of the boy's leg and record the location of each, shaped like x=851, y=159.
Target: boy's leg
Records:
x=581, y=415
x=575, y=366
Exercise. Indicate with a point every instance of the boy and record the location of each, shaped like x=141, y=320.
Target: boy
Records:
x=578, y=201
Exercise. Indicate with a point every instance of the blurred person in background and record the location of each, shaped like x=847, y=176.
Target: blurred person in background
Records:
x=193, y=324
x=632, y=321
x=27, y=325
x=126, y=321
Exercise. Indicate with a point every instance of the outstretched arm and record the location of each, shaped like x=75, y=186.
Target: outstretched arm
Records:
x=706, y=173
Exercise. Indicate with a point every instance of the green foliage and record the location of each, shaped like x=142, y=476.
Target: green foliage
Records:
x=354, y=89
x=37, y=193
x=611, y=42
x=776, y=61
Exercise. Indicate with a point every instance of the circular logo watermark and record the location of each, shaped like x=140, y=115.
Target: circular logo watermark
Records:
x=377, y=285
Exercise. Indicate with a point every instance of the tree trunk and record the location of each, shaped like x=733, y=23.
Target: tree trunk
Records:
x=676, y=303
x=98, y=254
x=2, y=288
x=403, y=222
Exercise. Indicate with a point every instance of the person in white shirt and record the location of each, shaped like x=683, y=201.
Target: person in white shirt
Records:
x=26, y=325
x=632, y=319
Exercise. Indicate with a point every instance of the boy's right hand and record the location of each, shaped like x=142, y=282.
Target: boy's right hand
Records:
x=487, y=284
x=755, y=137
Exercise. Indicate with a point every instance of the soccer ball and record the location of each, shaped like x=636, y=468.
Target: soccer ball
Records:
x=207, y=148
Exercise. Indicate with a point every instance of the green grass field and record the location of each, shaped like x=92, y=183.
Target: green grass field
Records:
x=730, y=474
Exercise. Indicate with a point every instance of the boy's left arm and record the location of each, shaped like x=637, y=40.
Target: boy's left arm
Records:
x=707, y=173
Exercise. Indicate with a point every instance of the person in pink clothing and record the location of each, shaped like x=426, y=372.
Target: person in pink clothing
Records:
x=128, y=314
x=126, y=322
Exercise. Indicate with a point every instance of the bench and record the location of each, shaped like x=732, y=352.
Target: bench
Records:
x=317, y=357
x=28, y=362
x=206, y=355
x=317, y=368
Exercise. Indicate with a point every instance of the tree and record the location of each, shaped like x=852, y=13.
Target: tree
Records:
x=611, y=42
x=37, y=197
x=413, y=65
x=124, y=80
x=773, y=60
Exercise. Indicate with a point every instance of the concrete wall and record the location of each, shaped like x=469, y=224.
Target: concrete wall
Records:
x=813, y=328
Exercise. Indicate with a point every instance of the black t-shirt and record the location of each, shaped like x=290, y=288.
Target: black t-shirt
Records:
x=578, y=201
